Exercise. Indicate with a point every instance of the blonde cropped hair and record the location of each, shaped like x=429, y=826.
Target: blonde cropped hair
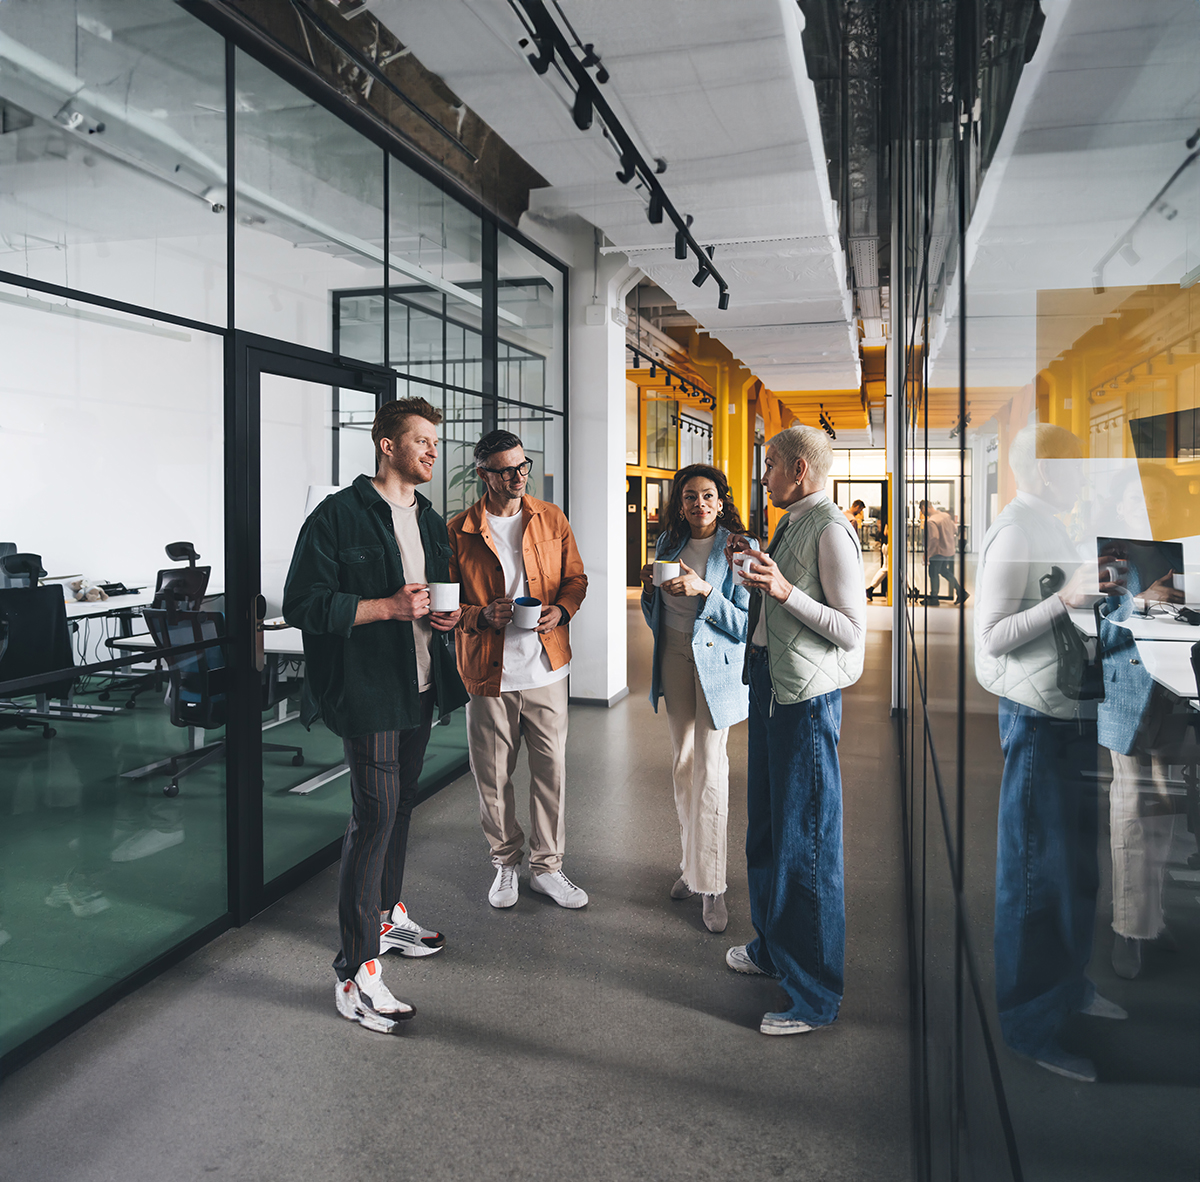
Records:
x=1039, y=441
x=804, y=443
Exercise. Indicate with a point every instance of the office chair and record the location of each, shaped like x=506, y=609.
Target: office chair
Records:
x=22, y=570
x=6, y=549
x=36, y=639
x=197, y=691
x=176, y=588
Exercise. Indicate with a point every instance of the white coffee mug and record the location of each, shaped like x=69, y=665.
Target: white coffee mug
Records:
x=742, y=561
x=443, y=597
x=526, y=612
x=664, y=571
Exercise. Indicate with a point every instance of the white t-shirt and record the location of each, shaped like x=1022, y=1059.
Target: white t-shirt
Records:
x=680, y=611
x=525, y=663
x=412, y=556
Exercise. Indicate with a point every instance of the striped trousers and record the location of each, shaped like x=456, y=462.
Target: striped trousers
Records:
x=385, y=768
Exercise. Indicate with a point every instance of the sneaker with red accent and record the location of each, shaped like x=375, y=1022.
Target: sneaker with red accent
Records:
x=406, y=936
x=365, y=999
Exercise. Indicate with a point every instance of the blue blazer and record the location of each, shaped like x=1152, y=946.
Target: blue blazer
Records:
x=718, y=637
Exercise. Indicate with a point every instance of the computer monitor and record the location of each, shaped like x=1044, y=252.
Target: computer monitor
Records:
x=1137, y=563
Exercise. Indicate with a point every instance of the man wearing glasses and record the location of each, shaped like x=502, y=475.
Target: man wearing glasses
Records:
x=506, y=547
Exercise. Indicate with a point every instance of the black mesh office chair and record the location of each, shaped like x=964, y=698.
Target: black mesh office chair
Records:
x=198, y=690
x=6, y=549
x=22, y=570
x=36, y=639
x=176, y=588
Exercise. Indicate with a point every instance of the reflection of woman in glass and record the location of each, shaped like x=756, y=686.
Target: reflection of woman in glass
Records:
x=1137, y=724
x=1047, y=871
x=699, y=623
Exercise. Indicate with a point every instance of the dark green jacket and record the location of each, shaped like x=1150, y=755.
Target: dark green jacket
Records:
x=362, y=680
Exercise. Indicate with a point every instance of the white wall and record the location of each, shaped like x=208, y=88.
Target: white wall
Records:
x=111, y=441
x=596, y=432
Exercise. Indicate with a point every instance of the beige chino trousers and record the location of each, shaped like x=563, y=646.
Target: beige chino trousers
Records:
x=495, y=727
x=700, y=770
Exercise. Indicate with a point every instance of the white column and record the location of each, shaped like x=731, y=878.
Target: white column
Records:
x=596, y=438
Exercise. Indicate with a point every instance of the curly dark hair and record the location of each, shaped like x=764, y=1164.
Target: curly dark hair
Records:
x=677, y=528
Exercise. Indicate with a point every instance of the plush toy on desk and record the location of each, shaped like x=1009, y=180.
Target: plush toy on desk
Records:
x=84, y=590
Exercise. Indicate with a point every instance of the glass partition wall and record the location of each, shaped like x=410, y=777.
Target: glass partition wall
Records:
x=1046, y=253
x=199, y=315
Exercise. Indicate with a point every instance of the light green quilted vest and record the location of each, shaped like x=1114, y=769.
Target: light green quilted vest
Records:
x=1028, y=674
x=803, y=664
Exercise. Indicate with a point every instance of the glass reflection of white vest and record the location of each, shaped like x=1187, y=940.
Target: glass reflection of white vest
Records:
x=1029, y=674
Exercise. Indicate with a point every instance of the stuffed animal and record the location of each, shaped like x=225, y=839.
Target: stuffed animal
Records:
x=86, y=591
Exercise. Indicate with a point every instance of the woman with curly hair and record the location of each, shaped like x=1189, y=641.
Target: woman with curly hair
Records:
x=699, y=623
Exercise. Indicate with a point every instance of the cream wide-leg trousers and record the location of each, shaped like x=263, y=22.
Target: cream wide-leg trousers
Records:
x=700, y=769
x=495, y=728
x=1140, y=847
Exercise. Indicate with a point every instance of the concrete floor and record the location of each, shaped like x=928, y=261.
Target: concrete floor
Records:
x=610, y=1043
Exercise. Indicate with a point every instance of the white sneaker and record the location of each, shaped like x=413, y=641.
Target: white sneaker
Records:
x=144, y=843
x=504, y=888
x=406, y=936
x=365, y=999
x=738, y=959
x=560, y=888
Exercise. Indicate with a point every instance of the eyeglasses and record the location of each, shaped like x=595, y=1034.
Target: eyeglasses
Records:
x=522, y=469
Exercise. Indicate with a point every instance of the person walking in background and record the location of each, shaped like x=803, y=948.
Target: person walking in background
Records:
x=856, y=514
x=698, y=620
x=941, y=545
x=807, y=638
x=506, y=547
x=379, y=664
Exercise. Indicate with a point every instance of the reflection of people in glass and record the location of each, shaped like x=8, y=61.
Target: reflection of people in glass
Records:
x=699, y=625
x=941, y=545
x=879, y=582
x=1046, y=861
x=856, y=513
x=1135, y=722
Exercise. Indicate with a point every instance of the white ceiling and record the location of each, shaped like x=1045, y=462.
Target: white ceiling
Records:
x=1098, y=126
x=720, y=91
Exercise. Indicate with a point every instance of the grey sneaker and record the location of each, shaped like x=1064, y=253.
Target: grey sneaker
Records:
x=783, y=1024
x=738, y=959
x=560, y=888
x=1061, y=1062
x=504, y=888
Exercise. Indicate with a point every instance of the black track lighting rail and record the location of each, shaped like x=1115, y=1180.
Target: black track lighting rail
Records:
x=687, y=386
x=553, y=48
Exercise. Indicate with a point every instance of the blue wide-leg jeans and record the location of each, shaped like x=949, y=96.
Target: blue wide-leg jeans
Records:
x=794, y=845
x=1047, y=873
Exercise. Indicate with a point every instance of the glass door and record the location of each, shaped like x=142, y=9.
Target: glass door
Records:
x=311, y=417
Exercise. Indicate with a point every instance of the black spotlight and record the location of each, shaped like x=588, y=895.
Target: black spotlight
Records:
x=654, y=213
x=627, y=170
x=637, y=360
x=582, y=111
x=681, y=250
x=699, y=278
x=723, y=300
x=653, y=370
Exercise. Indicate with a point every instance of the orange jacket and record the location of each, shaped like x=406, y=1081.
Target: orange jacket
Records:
x=553, y=570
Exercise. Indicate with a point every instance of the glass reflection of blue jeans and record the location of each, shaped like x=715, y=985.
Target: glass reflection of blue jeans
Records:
x=1046, y=873
x=794, y=845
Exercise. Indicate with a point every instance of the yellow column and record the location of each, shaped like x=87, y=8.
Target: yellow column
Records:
x=740, y=434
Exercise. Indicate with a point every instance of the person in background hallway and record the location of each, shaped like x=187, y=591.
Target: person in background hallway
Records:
x=699, y=626
x=879, y=583
x=807, y=638
x=856, y=513
x=379, y=664
x=507, y=546
x=1047, y=871
x=941, y=545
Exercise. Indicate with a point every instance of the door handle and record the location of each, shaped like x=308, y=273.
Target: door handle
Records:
x=260, y=613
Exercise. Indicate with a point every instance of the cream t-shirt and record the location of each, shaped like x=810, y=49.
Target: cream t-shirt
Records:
x=525, y=662
x=412, y=556
x=680, y=611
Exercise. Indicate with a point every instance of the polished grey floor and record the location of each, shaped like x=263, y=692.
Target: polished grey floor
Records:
x=610, y=1043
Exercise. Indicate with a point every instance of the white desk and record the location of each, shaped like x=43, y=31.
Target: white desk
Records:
x=77, y=609
x=1164, y=646
x=282, y=642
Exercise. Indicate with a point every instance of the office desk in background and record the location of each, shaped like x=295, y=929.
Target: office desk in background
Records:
x=1164, y=646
